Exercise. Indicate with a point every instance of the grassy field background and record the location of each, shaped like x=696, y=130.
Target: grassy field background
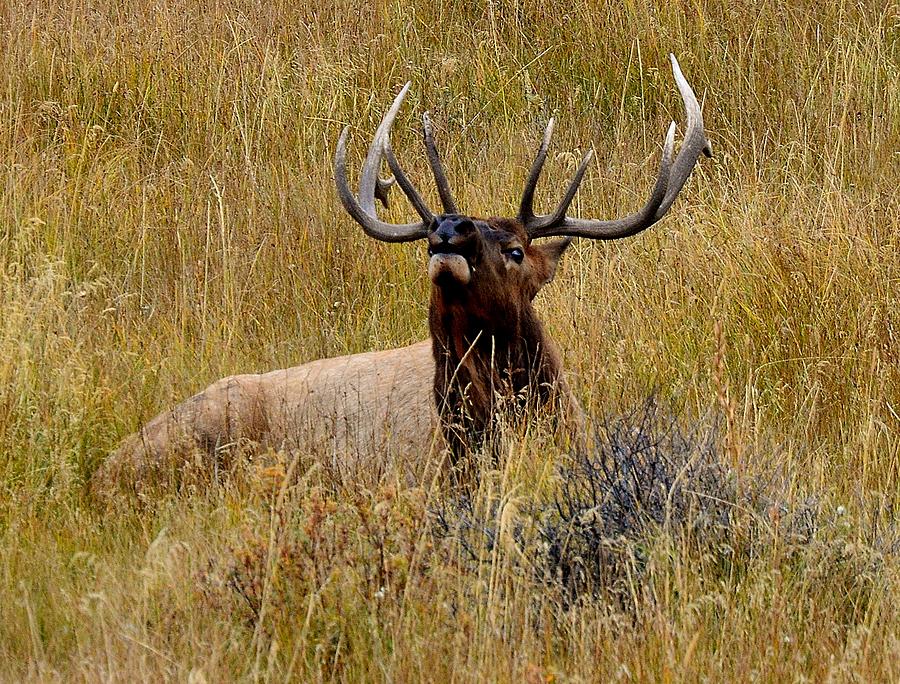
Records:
x=168, y=216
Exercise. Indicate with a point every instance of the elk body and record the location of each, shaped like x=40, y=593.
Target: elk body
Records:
x=347, y=410
x=488, y=350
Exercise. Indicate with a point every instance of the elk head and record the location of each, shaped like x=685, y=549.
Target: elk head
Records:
x=487, y=339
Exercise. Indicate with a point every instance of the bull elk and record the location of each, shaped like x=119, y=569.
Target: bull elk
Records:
x=487, y=344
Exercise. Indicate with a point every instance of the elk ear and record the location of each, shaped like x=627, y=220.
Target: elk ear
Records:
x=552, y=252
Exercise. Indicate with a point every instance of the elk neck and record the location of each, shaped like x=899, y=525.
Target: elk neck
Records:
x=485, y=351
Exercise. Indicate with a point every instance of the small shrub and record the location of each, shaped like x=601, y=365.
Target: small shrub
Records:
x=648, y=483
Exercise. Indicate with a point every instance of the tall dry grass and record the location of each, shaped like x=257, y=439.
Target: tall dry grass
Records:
x=167, y=216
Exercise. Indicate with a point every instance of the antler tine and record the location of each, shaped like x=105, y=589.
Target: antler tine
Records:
x=382, y=190
x=694, y=143
x=539, y=222
x=437, y=168
x=368, y=176
x=406, y=185
x=526, y=205
x=362, y=208
x=669, y=181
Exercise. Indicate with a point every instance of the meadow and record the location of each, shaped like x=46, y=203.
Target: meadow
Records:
x=168, y=216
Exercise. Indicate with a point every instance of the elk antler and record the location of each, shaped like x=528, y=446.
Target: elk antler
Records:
x=672, y=177
x=437, y=168
x=362, y=208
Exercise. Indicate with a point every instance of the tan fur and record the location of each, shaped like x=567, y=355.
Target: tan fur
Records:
x=361, y=410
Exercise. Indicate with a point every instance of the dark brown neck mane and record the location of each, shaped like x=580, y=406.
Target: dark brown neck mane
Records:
x=486, y=362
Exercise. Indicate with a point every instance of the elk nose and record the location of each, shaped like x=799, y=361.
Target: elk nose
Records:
x=450, y=227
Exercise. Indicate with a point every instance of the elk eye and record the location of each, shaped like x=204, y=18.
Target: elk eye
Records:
x=516, y=254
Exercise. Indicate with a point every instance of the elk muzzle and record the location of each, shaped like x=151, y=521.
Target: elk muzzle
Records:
x=447, y=269
x=453, y=246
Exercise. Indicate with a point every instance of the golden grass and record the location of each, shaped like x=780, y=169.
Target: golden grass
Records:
x=167, y=216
